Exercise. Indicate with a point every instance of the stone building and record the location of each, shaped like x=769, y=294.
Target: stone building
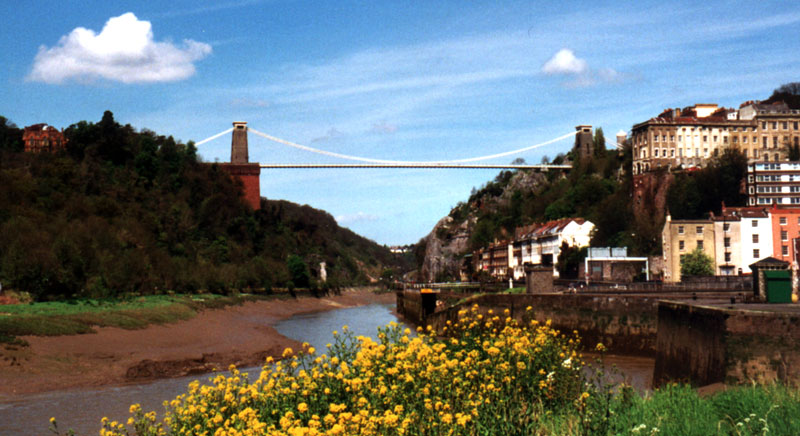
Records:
x=735, y=239
x=691, y=137
x=41, y=138
x=681, y=237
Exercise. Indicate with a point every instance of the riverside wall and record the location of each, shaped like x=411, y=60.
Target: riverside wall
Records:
x=702, y=342
x=625, y=325
x=733, y=344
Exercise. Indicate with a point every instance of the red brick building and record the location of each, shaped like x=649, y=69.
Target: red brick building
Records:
x=40, y=138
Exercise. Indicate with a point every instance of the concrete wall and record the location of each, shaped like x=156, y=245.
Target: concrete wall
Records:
x=704, y=345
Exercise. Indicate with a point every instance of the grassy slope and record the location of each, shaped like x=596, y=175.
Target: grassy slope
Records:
x=82, y=315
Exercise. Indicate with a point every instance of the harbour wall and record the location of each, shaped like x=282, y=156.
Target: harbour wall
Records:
x=695, y=341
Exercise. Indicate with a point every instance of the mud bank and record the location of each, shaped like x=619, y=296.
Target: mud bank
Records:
x=214, y=339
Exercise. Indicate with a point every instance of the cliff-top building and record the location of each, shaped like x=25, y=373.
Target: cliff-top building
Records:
x=41, y=138
x=690, y=137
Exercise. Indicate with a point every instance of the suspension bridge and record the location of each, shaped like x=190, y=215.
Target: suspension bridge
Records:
x=239, y=154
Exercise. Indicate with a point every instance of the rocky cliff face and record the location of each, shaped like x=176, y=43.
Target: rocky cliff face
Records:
x=449, y=241
x=445, y=246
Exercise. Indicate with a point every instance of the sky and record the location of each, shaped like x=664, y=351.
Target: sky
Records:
x=410, y=81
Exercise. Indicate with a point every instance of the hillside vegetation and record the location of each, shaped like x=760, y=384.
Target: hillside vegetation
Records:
x=599, y=189
x=133, y=212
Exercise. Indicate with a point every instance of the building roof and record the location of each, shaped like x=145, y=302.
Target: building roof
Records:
x=540, y=229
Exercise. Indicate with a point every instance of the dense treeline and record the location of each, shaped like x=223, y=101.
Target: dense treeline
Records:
x=125, y=211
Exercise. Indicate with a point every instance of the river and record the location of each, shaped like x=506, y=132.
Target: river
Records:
x=82, y=409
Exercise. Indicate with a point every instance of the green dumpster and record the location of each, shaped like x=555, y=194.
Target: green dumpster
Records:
x=779, y=286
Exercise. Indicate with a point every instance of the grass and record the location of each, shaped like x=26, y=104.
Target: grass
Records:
x=81, y=316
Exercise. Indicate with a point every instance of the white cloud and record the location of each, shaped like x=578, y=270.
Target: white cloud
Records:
x=124, y=51
x=565, y=62
x=355, y=218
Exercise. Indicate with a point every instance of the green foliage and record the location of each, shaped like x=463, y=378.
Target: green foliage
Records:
x=10, y=136
x=80, y=316
x=599, y=191
x=695, y=194
x=599, y=143
x=788, y=93
x=697, y=263
x=135, y=212
x=570, y=260
x=298, y=271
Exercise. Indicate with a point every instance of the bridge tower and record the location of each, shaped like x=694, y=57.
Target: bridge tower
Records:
x=584, y=143
x=239, y=143
x=240, y=167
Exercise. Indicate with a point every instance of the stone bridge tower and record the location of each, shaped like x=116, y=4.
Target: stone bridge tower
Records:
x=584, y=143
x=241, y=168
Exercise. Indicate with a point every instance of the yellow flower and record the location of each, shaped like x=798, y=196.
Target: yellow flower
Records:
x=302, y=407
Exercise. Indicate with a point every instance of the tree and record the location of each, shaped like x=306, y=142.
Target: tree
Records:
x=697, y=263
x=10, y=136
x=788, y=93
x=599, y=143
x=298, y=271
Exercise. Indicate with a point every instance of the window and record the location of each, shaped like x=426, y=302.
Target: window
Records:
x=783, y=220
x=715, y=138
x=679, y=136
x=699, y=230
x=700, y=244
x=727, y=257
x=755, y=223
x=756, y=253
x=763, y=125
x=726, y=227
x=764, y=141
x=774, y=142
x=705, y=138
x=784, y=235
x=755, y=238
x=784, y=250
x=680, y=230
x=785, y=125
x=680, y=245
x=795, y=125
x=727, y=242
x=744, y=139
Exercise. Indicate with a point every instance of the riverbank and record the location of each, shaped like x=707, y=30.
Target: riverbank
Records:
x=214, y=339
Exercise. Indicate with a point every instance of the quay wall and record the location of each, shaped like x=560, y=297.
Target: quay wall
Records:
x=624, y=324
x=736, y=344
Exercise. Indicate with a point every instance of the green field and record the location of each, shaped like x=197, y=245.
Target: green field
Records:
x=82, y=315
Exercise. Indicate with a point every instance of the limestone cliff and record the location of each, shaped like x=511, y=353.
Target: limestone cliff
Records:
x=452, y=237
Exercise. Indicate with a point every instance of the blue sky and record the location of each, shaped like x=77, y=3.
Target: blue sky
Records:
x=388, y=80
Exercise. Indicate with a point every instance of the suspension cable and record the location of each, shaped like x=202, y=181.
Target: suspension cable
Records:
x=211, y=138
x=383, y=161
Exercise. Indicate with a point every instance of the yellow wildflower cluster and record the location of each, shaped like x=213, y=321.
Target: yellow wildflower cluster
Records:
x=489, y=368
